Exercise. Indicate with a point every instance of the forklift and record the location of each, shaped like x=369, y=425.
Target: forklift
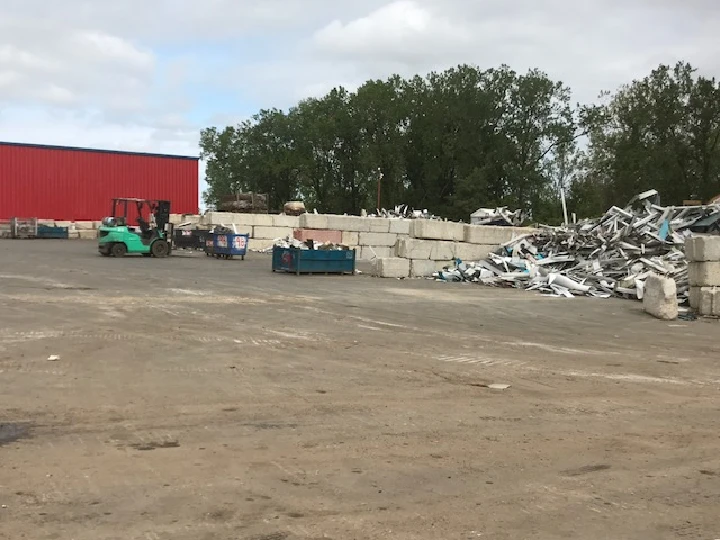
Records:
x=151, y=237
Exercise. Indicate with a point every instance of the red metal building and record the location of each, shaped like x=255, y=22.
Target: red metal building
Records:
x=77, y=184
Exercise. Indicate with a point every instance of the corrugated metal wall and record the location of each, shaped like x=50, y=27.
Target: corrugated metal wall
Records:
x=73, y=184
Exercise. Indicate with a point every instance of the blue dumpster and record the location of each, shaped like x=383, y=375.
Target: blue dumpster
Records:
x=313, y=261
x=226, y=245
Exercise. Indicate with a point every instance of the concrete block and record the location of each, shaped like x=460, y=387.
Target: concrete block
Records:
x=286, y=221
x=368, y=253
x=378, y=225
x=437, y=230
x=257, y=220
x=490, y=234
x=702, y=248
x=420, y=268
x=260, y=244
x=314, y=221
x=187, y=218
x=73, y=235
x=705, y=300
x=378, y=239
x=442, y=251
x=350, y=238
x=400, y=226
x=704, y=274
x=319, y=235
x=472, y=252
x=68, y=224
x=272, y=232
x=218, y=218
x=84, y=225
x=411, y=248
x=87, y=234
x=97, y=224
x=391, y=268
x=48, y=222
x=348, y=223
x=660, y=298
x=242, y=229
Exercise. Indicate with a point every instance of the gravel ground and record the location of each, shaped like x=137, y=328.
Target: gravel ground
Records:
x=197, y=399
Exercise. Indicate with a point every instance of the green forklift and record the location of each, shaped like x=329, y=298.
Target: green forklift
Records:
x=152, y=237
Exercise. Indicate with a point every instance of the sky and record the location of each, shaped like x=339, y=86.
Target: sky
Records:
x=148, y=75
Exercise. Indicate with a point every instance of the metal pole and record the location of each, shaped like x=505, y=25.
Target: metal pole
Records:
x=380, y=175
x=564, y=205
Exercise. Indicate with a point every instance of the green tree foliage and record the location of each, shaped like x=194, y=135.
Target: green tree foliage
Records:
x=464, y=138
x=661, y=132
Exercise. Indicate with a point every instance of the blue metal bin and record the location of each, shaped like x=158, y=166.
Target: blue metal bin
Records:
x=46, y=231
x=313, y=261
x=226, y=245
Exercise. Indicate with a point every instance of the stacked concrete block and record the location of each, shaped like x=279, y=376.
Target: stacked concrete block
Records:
x=489, y=235
x=377, y=239
x=442, y=251
x=350, y=238
x=400, y=226
x=260, y=244
x=473, y=252
x=391, y=267
x=286, y=221
x=411, y=248
x=319, y=235
x=703, y=256
x=315, y=221
x=272, y=232
x=660, y=297
x=247, y=220
x=425, y=268
x=87, y=234
x=369, y=253
x=429, y=229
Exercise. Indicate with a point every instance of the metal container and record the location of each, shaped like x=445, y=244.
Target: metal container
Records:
x=313, y=261
x=77, y=184
x=226, y=245
x=190, y=239
x=47, y=231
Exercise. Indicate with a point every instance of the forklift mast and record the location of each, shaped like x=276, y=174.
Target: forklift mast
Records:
x=159, y=209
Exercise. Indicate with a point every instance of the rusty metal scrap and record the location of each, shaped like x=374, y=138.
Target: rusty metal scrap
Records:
x=609, y=256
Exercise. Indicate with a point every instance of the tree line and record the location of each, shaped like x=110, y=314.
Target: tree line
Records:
x=466, y=138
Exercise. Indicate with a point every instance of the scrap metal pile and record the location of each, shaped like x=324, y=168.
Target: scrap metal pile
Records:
x=498, y=216
x=404, y=211
x=289, y=242
x=609, y=256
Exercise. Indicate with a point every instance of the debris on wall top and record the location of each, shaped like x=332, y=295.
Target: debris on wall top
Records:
x=498, y=216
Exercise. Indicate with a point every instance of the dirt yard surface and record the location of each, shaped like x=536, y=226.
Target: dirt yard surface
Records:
x=197, y=399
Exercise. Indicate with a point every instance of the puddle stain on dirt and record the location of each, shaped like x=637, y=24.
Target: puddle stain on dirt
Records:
x=12, y=432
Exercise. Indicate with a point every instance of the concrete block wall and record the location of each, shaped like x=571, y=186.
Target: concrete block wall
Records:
x=428, y=245
x=703, y=256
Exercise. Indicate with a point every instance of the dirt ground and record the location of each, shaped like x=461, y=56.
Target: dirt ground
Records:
x=197, y=399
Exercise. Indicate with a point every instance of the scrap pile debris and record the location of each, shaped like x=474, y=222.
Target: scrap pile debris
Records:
x=289, y=242
x=404, y=211
x=498, y=216
x=609, y=256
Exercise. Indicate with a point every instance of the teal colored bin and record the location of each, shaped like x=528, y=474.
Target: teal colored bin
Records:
x=313, y=261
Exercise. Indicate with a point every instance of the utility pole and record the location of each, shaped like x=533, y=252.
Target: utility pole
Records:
x=380, y=177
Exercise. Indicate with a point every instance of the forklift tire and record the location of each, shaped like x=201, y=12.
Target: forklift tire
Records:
x=118, y=250
x=160, y=249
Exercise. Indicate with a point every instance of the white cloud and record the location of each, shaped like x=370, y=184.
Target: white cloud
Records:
x=147, y=74
x=411, y=32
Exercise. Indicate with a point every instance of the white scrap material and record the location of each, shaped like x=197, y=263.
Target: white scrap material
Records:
x=612, y=255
